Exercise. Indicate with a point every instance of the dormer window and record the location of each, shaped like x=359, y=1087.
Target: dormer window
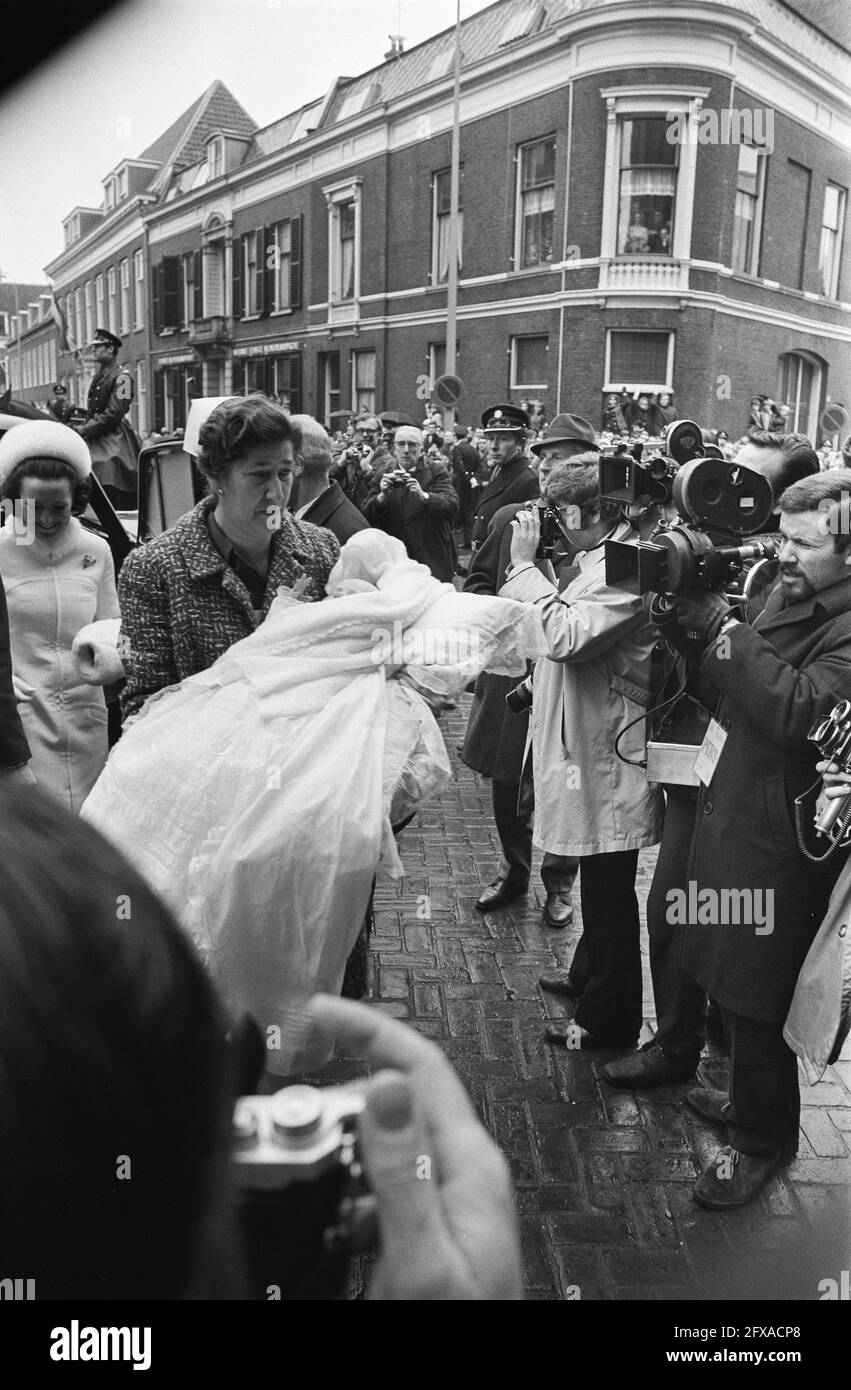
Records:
x=122, y=185
x=216, y=157
x=109, y=194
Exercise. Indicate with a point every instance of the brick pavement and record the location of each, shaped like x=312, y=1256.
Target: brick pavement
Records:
x=603, y=1177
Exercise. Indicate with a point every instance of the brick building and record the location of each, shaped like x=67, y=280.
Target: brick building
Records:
x=15, y=299
x=652, y=197
x=101, y=276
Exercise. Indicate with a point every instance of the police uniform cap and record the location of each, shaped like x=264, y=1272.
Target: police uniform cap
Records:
x=498, y=419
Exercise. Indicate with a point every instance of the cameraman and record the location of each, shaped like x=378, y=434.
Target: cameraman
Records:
x=768, y=684
x=673, y=1053
x=588, y=802
x=416, y=502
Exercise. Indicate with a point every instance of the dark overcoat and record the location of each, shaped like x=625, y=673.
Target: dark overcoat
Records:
x=770, y=683
x=424, y=527
x=515, y=482
x=14, y=749
x=337, y=514
x=112, y=442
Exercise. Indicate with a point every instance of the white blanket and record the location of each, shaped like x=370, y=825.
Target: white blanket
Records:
x=257, y=796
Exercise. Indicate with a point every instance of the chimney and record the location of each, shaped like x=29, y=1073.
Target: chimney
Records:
x=397, y=47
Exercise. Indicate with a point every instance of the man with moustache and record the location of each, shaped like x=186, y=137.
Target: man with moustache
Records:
x=768, y=684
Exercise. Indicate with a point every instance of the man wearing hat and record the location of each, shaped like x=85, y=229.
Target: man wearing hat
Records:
x=112, y=442
x=496, y=737
x=60, y=407
x=512, y=480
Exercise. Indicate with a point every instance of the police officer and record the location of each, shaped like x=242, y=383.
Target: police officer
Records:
x=512, y=480
x=112, y=442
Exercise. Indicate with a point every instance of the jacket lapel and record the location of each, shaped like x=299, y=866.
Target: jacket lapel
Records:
x=506, y=477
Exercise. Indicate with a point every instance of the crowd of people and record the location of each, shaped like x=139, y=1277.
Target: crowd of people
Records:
x=565, y=756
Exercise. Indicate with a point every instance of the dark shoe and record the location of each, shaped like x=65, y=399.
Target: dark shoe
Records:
x=714, y=1106
x=576, y=1038
x=711, y=1105
x=648, y=1067
x=559, y=982
x=558, y=911
x=732, y=1178
x=502, y=892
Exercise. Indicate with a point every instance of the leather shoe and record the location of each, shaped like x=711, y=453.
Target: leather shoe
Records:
x=558, y=911
x=732, y=1178
x=501, y=892
x=710, y=1104
x=559, y=982
x=714, y=1106
x=648, y=1067
x=576, y=1038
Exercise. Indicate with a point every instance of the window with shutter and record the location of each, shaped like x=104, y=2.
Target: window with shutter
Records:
x=170, y=291
x=261, y=239
x=295, y=262
x=238, y=253
x=156, y=297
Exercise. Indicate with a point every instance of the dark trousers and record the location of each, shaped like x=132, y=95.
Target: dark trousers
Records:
x=608, y=959
x=765, y=1102
x=680, y=1000
x=514, y=828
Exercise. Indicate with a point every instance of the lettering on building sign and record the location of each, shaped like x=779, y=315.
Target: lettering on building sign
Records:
x=266, y=349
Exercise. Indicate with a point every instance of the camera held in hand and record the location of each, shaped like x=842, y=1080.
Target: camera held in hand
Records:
x=296, y=1170
x=520, y=698
x=832, y=737
x=551, y=528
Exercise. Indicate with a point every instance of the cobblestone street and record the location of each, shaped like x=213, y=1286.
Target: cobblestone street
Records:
x=603, y=1177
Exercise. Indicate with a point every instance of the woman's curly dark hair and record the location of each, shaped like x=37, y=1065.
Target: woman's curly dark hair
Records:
x=49, y=471
x=238, y=425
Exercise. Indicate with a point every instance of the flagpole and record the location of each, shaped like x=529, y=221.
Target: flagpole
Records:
x=454, y=199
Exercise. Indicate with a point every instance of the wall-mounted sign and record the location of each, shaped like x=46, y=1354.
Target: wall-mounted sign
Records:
x=265, y=349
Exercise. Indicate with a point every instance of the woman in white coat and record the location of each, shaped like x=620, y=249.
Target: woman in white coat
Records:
x=588, y=803
x=58, y=578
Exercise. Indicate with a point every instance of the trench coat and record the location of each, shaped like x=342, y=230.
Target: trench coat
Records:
x=776, y=679
x=53, y=589
x=424, y=528
x=182, y=605
x=596, y=680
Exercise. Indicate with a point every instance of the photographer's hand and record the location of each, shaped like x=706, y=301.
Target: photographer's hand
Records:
x=836, y=782
x=445, y=1211
x=701, y=612
x=525, y=535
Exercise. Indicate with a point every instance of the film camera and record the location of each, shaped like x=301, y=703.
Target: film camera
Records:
x=297, y=1174
x=722, y=502
x=832, y=737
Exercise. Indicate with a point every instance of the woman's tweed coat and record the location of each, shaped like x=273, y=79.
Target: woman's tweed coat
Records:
x=182, y=605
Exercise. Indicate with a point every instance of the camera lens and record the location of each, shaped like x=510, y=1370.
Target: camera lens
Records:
x=297, y=1112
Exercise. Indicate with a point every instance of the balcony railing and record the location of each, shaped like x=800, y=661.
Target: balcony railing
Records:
x=344, y=311
x=211, y=331
x=647, y=273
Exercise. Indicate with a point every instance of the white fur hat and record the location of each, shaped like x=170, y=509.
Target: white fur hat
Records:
x=43, y=439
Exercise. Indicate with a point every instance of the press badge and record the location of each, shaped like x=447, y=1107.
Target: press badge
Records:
x=710, y=751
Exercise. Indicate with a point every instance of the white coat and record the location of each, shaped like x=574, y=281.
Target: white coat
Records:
x=595, y=680
x=53, y=588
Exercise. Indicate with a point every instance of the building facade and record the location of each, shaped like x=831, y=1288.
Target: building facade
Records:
x=17, y=303
x=652, y=197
